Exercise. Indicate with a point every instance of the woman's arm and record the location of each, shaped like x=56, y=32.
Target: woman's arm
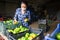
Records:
x=16, y=15
x=29, y=15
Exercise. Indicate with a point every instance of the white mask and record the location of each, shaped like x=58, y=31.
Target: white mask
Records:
x=23, y=9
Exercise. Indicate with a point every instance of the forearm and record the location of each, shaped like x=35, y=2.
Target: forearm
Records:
x=3, y=37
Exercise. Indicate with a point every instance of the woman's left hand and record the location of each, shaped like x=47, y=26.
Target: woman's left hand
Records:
x=26, y=19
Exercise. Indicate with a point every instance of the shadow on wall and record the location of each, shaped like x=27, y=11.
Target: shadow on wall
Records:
x=58, y=15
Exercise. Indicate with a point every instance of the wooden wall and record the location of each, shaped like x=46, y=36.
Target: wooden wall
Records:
x=8, y=7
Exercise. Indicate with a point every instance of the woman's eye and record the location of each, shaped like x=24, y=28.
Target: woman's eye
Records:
x=23, y=6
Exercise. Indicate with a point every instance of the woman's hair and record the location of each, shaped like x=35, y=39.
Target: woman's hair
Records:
x=20, y=2
x=24, y=2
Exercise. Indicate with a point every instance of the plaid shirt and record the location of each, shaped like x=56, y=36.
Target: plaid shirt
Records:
x=20, y=17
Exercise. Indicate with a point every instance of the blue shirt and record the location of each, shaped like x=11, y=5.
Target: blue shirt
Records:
x=20, y=17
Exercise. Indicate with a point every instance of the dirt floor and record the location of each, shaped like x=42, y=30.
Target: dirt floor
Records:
x=52, y=26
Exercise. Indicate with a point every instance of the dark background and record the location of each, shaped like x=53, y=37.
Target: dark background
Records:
x=8, y=7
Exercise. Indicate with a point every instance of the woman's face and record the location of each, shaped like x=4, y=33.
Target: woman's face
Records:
x=23, y=6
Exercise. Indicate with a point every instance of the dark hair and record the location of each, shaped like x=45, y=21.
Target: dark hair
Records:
x=20, y=2
x=25, y=2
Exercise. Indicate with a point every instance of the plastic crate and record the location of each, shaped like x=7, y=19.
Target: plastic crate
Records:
x=49, y=38
x=53, y=34
x=2, y=30
x=40, y=32
x=39, y=37
x=57, y=30
x=12, y=26
x=16, y=36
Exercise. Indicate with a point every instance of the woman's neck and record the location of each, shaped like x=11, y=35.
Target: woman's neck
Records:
x=23, y=12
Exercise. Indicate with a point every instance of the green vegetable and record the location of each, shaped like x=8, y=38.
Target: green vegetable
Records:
x=27, y=35
x=19, y=29
x=58, y=36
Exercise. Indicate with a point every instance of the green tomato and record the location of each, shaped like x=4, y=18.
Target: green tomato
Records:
x=10, y=30
x=14, y=32
x=19, y=39
x=16, y=29
x=26, y=29
x=26, y=38
x=21, y=26
x=58, y=36
x=4, y=22
x=8, y=21
x=11, y=20
x=27, y=35
x=22, y=29
x=34, y=35
x=23, y=38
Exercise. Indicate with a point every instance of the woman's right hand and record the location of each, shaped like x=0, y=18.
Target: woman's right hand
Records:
x=15, y=22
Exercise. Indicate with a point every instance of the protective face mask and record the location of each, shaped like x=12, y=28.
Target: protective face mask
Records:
x=23, y=9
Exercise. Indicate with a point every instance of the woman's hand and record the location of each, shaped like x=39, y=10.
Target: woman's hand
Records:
x=26, y=19
x=15, y=22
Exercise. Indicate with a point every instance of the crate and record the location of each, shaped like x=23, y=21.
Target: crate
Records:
x=2, y=29
x=42, y=24
x=49, y=38
x=40, y=32
x=12, y=26
x=53, y=34
x=16, y=36
x=57, y=30
x=39, y=37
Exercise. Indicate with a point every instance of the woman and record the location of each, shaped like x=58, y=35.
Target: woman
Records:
x=22, y=15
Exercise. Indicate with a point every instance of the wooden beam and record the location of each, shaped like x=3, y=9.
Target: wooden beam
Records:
x=8, y=1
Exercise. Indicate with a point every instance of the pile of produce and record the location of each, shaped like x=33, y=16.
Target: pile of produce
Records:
x=58, y=36
x=28, y=36
x=8, y=23
x=18, y=30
